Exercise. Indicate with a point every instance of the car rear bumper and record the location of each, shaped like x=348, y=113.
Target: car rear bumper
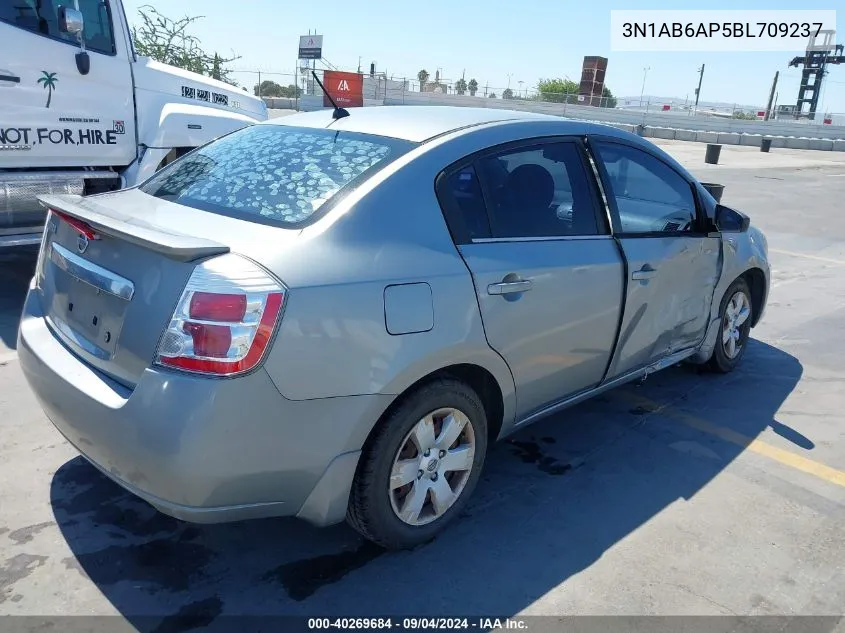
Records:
x=199, y=449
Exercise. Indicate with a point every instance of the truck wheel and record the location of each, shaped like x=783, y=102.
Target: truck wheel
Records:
x=420, y=466
x=735, y=327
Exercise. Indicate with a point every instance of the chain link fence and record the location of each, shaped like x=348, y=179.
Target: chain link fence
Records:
x=285, y=90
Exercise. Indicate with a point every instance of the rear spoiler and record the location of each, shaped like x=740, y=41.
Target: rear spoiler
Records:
x=134, y=230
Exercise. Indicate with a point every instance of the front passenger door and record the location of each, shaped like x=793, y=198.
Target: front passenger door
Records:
x=673, y=265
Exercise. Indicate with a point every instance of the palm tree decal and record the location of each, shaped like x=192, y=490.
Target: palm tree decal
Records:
x=49, y=80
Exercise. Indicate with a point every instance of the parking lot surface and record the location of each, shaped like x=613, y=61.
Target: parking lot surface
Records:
x=691, y=493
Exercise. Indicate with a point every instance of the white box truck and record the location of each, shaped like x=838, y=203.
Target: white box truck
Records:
x=81, y=113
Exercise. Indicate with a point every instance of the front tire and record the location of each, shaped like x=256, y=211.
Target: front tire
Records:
x=736, y=316
x=420, y=467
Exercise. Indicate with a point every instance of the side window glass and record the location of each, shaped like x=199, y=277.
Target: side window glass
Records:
x=42, y=17
x=463, y=205
x=32, y=15
x=541, y=191
x=651, y=196
x=97, y=31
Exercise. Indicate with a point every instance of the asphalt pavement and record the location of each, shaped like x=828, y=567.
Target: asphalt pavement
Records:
x=690, y=494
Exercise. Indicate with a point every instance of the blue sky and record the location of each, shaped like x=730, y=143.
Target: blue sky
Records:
x=490, y=39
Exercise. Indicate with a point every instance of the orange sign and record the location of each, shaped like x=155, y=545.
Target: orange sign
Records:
x=347, y=89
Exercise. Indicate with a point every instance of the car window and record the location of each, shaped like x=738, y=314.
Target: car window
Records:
x=650, y=196
x=463, y=205
x=273, y=174
x=42, y=16
x=539, y=191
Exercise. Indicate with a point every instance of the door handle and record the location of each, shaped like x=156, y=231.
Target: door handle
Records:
x=644, y=273
x=508, y=287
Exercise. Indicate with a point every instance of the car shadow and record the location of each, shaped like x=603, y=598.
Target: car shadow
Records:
x=16, y=269
x=553, y=498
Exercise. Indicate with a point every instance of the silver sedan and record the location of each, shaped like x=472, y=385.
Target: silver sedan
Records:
x=334, y=317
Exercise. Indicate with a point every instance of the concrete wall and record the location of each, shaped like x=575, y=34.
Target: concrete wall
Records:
x=653, y=124
x=613, y=115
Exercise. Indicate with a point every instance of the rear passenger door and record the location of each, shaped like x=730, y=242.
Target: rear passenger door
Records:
x=673, y=264
x=548, y=275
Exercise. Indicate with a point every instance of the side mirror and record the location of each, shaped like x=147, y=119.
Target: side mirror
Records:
x=730, y=220
x=70, y=21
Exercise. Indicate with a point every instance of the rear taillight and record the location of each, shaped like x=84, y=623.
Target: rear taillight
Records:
x=43, y=252
x=83, y=228
x=224, y=320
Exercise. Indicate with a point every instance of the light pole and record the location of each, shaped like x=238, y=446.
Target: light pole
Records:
x=520, y=82
x=642, y=92
x=509, y=80
x=698, y=90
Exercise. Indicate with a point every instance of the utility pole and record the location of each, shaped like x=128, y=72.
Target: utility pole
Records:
x=645, y=72
x=771, y=97
x=698, y=90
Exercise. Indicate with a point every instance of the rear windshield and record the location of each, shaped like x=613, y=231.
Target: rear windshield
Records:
x=274, y=174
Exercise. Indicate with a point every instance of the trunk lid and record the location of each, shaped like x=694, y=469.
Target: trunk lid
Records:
x=113, y=266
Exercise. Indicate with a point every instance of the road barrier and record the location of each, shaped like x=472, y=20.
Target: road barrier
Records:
x=702, y=129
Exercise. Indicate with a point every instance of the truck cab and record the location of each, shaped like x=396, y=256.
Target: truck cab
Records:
x=82, y=113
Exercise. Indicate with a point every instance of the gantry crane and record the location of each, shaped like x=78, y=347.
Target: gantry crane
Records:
x=817, y=57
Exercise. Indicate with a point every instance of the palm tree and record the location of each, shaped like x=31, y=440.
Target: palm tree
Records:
x=423, y=77
x=473, y=87
x=49, y=80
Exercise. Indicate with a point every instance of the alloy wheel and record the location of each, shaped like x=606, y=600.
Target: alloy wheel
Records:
x=737, y=312
x=432, y=466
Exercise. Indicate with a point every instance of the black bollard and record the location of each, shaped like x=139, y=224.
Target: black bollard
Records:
x=714, y=190
x=712, y=155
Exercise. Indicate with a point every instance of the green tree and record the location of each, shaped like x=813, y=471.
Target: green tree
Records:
x=607, y=98
x=272, y=89
x=492, y=95
x=461, y=86
x=168, y=41
x=291, y=91
x=267, y=89
x=423, y=77
x=507, y=94
x=558, y=90
x=747, y=116
x=49, y=80
x=473, y=87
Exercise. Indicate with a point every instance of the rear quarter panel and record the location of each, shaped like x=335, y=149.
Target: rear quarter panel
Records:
x=333, y=340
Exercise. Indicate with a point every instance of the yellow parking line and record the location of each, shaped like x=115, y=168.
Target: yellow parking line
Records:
x=817, y=469
x=838, y=262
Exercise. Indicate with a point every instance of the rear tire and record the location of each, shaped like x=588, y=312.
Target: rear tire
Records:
x=735, y=317
x=412, y=460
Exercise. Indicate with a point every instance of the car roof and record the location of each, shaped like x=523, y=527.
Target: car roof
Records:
x=411, y=123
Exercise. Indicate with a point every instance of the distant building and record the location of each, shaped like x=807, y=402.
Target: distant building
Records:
x=435, y=86
x=592, y=80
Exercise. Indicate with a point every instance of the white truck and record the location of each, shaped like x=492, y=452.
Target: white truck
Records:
x=81, y=113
